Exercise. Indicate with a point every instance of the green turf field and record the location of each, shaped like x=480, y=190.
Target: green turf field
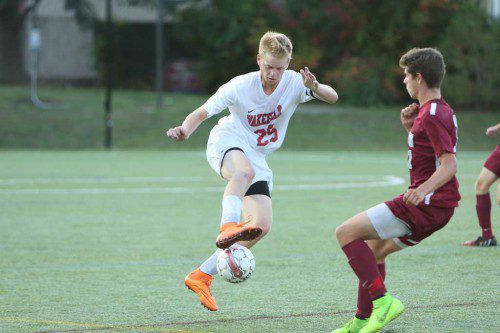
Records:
x=96, y=241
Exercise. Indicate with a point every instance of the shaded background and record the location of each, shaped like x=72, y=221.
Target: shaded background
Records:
x=353, y=45
x=96, y=239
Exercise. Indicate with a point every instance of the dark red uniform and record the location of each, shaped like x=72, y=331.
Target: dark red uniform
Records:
x=493, y=162
x=434, y=133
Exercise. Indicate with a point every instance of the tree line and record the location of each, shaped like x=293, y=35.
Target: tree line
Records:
x=354, y=45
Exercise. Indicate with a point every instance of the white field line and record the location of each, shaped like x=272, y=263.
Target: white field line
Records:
x=99, y=180
x=383, y=181
x=173, y=179
x=181, y=179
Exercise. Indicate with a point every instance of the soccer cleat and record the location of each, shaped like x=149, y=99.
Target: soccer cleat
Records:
x=385, y=310
x=233, y=232
x=480, y=241
x=200, y=282
x=353, y=326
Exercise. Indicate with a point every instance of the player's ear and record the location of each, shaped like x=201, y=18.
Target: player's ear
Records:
x=258, y=59
x=419, y=78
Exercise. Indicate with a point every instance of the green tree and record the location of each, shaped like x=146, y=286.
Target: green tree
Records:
x=353, y=44
x=471, y=43
x=225, y=35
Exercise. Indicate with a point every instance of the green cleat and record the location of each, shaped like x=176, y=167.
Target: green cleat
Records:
x=353, y=326
x=385, y=310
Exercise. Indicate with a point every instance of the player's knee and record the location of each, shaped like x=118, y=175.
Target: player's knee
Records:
x=482, y=187
x=379, y=253
x=248, y=174
x=340, y=232
x=245, y=175
x=266, y=227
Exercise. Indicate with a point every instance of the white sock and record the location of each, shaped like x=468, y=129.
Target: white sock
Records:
x=231, y=209
x=210, y=265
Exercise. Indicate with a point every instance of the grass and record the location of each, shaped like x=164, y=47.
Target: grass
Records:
x=94, y=241
x=77, y=121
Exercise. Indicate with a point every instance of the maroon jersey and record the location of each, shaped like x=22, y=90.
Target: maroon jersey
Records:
x=434, y=133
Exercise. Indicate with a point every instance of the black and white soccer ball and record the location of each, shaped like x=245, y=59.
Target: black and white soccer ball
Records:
x=235, y=264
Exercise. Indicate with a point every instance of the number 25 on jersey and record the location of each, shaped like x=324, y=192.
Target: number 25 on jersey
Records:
x=270, y=131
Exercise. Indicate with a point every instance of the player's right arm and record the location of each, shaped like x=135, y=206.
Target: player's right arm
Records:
x=408, y=115
x=221, y=100
x=493, y=130
x=446, y=171
x=189, y=125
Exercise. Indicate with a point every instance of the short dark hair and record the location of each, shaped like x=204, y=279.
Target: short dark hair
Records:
x=428, y=62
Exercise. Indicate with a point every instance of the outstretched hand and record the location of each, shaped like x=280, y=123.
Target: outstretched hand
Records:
x=178, y=133
x=309, y=79
x=492, y=131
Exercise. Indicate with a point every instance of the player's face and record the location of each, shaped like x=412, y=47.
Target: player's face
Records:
x=272, y=68
x=411, y=83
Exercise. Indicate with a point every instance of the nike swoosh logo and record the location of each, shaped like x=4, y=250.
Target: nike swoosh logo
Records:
x=251, y=111
x=382, y=319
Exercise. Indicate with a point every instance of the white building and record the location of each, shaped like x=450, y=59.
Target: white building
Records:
x=66, y=49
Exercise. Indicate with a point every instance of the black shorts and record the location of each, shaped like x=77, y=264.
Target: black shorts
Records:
x=260, y=187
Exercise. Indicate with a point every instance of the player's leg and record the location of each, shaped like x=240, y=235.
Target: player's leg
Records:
x=355, y=228
x=381, y=249
x=483, y=202
x=377, y=225
x=238, y=171
x=351, y=236
x=483, y=208
x=258, y=209
x=498, y=193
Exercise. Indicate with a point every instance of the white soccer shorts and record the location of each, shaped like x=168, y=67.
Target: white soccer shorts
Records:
x=221, y=140
x=387, y=225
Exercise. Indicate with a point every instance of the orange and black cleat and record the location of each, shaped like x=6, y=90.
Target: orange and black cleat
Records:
x=233, y=232
x=200, y=282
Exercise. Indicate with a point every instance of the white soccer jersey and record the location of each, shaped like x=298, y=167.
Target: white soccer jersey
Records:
x=259, y=119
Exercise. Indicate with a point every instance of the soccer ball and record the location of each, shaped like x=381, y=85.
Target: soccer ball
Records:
x=235, y=264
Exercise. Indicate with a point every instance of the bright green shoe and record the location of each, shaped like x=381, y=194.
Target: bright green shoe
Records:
x=353, y=326
x=385, y=310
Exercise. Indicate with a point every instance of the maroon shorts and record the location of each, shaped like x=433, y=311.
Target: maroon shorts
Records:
x=493, y=162
x=422, y=220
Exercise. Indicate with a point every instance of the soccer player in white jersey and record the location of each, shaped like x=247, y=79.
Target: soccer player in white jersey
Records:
x=260, y=104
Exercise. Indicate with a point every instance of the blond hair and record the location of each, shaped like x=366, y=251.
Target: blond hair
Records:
x=276, y=44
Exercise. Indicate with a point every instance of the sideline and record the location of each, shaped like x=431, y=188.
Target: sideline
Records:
x=166, y=326
x=362, y=182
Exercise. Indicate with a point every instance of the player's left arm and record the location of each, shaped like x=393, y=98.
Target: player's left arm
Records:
x=321, y=91
x=443, y=174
